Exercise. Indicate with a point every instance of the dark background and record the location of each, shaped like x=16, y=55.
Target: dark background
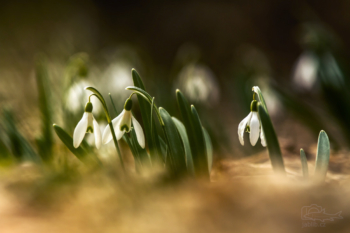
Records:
x=165, y=35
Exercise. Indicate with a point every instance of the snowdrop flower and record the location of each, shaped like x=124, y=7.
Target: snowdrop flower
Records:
x=253, y=125
x=87, y=124
x=122, y=124
x=305, y=71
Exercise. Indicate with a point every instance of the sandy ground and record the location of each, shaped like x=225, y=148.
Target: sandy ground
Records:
x=244, y=196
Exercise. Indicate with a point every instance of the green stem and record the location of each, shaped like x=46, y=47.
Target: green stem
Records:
x=101, y=99
x=116, y=145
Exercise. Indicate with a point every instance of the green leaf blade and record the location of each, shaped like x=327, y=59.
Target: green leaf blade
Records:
x=67, y=140
x=322, y=157
x=304, y=164
x=209, y=146
x=195, y=136
x=176, y=159
x=146, y=109
x=201, y=159
x=271, y=141
x=45, y=142
x=183, y=134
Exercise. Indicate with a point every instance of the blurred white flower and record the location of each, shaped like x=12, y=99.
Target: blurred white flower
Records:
x=253, y=124
x=305, y=70
x=199, y=84
x=87, y=124
x=116, y=78
x=76, y=97
x=122, y=124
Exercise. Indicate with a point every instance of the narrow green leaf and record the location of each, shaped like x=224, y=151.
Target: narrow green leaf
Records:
x=97, y=93
x=142, y=153
x=201, y=160
x=140, y=91
x=45, y=142
x=322, y=157
x=147, y=119
x=67, y=140
x=304, y=164
x=257, y=90
x=183, y=134
x=176, y=151
x=195, y=136
x=138, y=165
x=5, y=154
x=20, y=148
x=271, y=141
x=164, y=147
x=209, y=146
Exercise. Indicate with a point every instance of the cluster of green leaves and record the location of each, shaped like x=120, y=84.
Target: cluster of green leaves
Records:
x=183, y=149
x=322, y=158
x=188, y=148
x=15, y=147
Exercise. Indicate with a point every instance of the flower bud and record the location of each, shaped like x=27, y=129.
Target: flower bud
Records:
x=88, y=107
x=128, y=104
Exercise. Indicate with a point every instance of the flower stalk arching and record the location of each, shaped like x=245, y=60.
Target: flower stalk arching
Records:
x=148, y=98
x=98, y=95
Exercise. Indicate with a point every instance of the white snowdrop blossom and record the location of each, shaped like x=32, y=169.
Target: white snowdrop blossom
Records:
x=122, y=124
x=253, y=125
x=87, y=124
x=305, y=71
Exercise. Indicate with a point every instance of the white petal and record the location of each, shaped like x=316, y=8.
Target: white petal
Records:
x=97, y=133
x=139, y=132
x=107, y=135
x=80, y=130
x=262, y=137
x=254, y=129
x=119, y=133
x=241, y=128
x=125, y=122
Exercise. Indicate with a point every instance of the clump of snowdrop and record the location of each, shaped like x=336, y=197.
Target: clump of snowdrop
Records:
x=252, y=125
x=87, y=124
x=122, y=125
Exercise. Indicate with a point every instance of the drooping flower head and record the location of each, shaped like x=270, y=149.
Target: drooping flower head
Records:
x=253, y=126
x=122, y=124
x=87, y=124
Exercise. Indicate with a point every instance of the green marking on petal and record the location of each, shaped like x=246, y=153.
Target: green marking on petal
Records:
x=125, y=128
x=89, y=130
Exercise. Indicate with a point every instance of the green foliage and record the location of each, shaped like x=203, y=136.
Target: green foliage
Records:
x=20, y=148
x=271, y=141
x=83, y=154
x=209, y=147
x=304, y=164
x=195, y=135
x=140, y=154
x=45, y=141
x=183, y=134
x=322, y=157
x=146, y=113
x=176, y=161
